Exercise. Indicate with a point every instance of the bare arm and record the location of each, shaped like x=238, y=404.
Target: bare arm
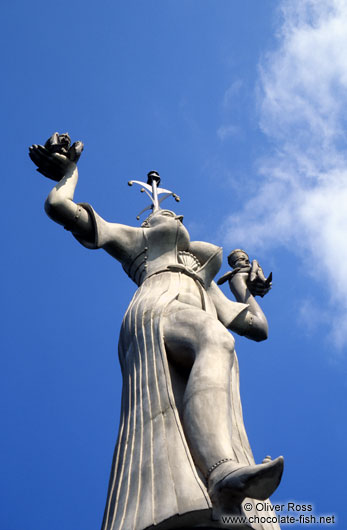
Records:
x=254, y=324
x=61, y=208
x=245, y=318
x=57, y=160
x=250, y=320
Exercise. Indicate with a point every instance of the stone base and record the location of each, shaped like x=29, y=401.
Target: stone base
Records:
x=198, y=520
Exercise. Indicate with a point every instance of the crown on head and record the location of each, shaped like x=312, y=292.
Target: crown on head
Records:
x=153, y=191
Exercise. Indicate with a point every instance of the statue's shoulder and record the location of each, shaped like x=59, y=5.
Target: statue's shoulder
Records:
x=205, y=251
x=210, y=257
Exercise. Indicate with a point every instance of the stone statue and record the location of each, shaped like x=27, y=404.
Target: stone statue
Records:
x=182, y=459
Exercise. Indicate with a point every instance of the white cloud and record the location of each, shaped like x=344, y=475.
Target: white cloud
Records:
x=225, y=131
x=301, y=200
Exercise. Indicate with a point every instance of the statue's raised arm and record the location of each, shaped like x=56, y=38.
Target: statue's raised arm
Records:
x=57, y=160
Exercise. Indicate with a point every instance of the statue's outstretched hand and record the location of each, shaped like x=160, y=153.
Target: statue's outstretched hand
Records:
x=257, y=283
x=56, y=157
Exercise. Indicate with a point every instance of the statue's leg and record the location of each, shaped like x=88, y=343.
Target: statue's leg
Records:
x=197, y=340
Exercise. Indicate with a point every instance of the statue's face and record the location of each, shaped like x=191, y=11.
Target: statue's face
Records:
x=240, y=259
x=161, y=216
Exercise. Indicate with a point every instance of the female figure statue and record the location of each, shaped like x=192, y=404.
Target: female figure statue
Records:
x=182, y=455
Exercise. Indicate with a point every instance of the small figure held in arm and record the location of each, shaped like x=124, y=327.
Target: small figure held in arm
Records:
x=182, y=446
x=257, y=284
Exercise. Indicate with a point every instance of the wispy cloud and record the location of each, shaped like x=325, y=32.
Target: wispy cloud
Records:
x=232, y=93
x=231, y=98
x=225, y=131
x=301, y=200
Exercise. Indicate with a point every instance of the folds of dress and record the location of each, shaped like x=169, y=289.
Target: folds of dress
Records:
x=153, y=475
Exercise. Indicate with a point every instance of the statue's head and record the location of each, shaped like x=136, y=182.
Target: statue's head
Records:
x=160, y=216
x=238, y=258
x=151, y=188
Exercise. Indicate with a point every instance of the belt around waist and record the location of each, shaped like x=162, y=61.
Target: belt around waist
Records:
x=177, y=268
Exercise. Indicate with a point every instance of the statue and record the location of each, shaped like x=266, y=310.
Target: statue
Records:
x=182, y=459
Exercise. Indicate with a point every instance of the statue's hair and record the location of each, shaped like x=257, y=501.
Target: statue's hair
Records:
x=145, y=223
x=232, y=254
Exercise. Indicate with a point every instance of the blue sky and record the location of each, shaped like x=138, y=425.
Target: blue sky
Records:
x=241, y=108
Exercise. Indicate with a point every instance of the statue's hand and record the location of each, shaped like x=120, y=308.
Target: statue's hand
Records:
x=257, y=284
x=57, y=156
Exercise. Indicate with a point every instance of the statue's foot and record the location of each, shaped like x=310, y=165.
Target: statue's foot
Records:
x=229, y=487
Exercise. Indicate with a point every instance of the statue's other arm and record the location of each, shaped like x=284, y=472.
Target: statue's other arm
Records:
x=245, y=318
x=251, y=321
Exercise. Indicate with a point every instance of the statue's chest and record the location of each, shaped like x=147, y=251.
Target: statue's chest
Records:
x=165, y=241
x=158, y=250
